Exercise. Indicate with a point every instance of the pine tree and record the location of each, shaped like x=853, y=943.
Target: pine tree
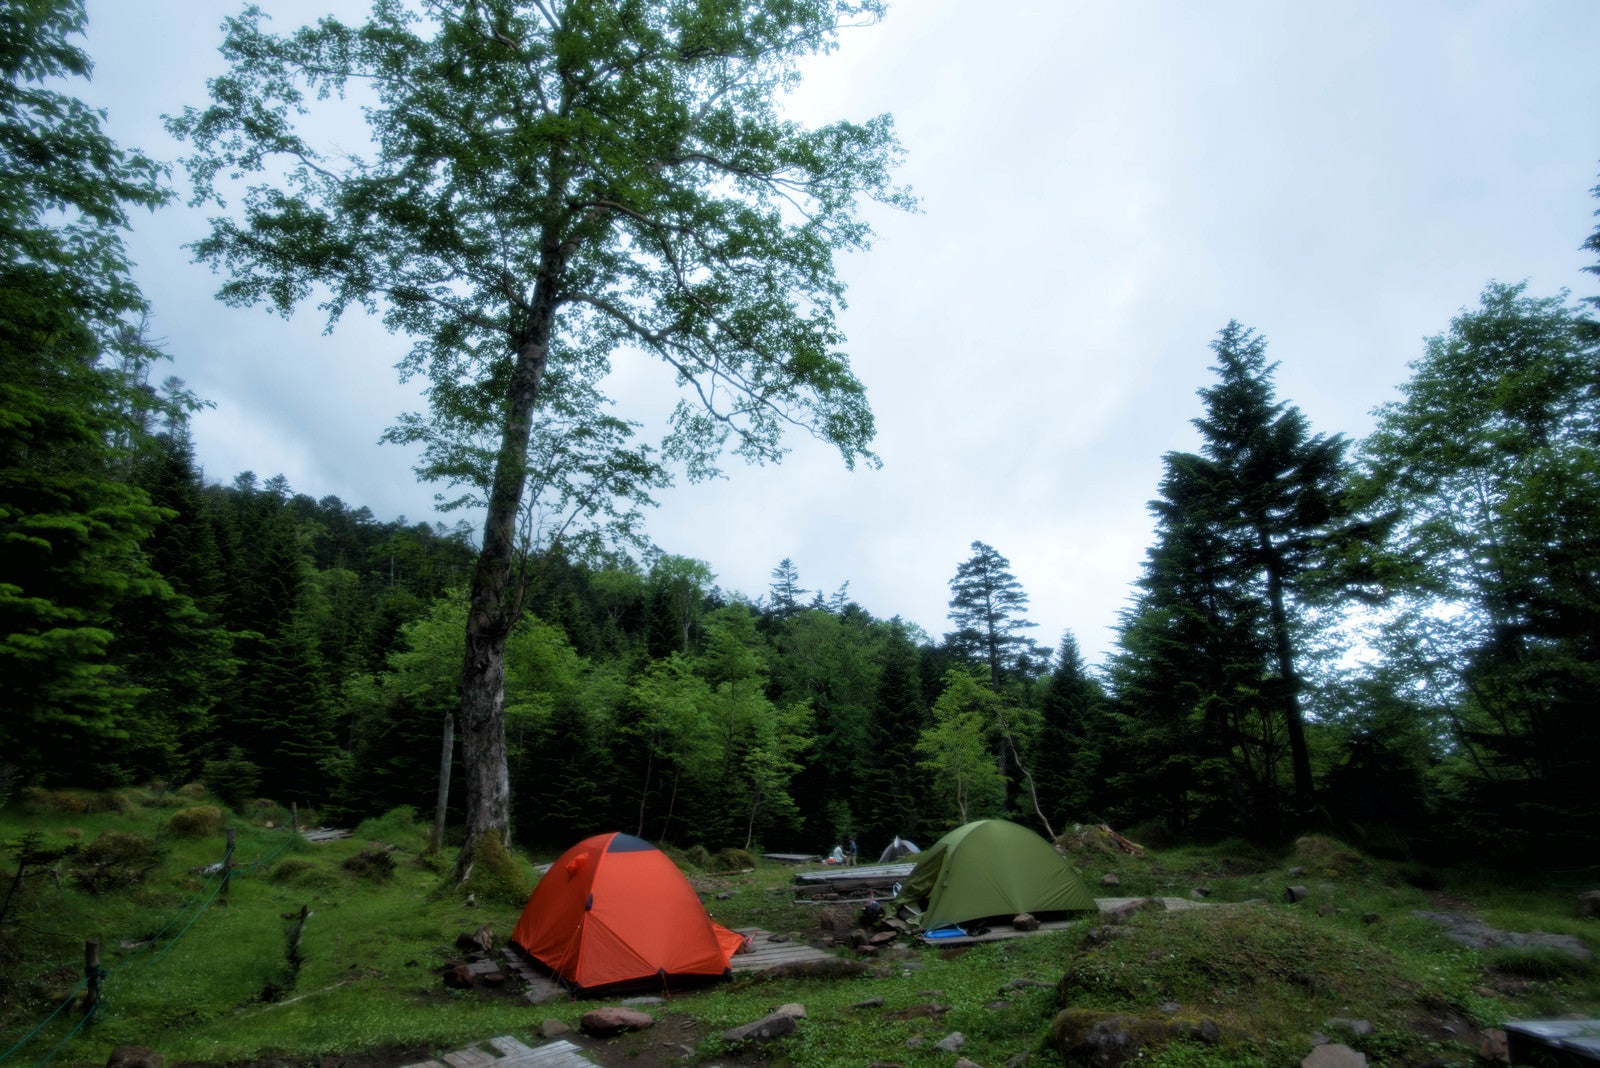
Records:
x=987, y=605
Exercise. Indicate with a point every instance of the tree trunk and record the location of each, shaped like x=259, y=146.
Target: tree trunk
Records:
x=495, y=601
x=1293, y=723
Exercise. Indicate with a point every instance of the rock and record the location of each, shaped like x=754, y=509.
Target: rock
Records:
x=1295, y=872
x=1588, y=904
x=870, y=1003
x=1026, y=922
x=1370, y=917
x=835, y=919
x=962, y=1062
x=1200, y=892
x=915, y=1042
x=1126, y=912
x=1492, y=1047
x=1108, y=1039
x=134, y=1057
x=472, y=901
x=1475, y=934
x=1334, y=1056
x=951, y=1042
x=883, y=938
x=725, y=895
x=1291, y=894
x=493, y=980
x=1024, y=984
x=1099, y=936
x=554, y=1028
x=1359, y=1028
x=458, y=977
x=614, y=1020
x=481, y=940
x=765, y=1029
x=1110, y=879
x=794, y=1008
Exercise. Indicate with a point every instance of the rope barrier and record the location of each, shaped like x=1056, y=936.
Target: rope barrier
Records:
x=220, y=878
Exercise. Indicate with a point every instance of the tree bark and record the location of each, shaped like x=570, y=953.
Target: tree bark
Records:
x=1293, y=722
x=494, y=603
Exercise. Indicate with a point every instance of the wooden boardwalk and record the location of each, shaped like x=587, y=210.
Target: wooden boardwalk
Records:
x=765, y=954
x=508, y=1052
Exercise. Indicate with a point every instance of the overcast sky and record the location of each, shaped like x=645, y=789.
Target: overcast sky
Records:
x=1103, y=185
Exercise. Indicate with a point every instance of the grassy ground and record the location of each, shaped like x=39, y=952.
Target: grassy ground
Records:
x=331, y=953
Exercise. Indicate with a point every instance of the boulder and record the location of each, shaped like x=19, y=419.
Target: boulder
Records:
x=134, y=1057
x=554, y=1028
x=765, y=1029
x=1027, y=921
x=1110, y=879
x=1334, y=1056
x=458, y=977
x=951, y=1042
x=1589, y=904
x=614, y=1020
x=1108, y=1039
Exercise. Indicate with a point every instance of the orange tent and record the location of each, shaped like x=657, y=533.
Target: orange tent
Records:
x=614, y=910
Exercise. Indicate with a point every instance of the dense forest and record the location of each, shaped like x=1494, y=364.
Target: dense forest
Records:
x=1393, y=638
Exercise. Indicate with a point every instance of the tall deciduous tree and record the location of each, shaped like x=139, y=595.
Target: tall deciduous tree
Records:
x=556, y=182
x=1493, y=458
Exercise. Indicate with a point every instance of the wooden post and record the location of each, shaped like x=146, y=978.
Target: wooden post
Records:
x=294, y=817
x=91, y=973
x=227, y=866
x=446, y=752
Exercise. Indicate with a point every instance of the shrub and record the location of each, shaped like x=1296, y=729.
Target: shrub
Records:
x=192, y=790
x=114, y=859
x=732, y=860
x=233, y=778
x=197, y=821
x=290, y=869
x=375, y=865
x=699, y=856
x=396, y=827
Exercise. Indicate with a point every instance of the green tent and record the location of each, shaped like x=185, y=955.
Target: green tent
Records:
x=990, y=869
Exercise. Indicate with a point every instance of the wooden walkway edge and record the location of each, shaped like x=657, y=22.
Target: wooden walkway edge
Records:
x=507, y=1052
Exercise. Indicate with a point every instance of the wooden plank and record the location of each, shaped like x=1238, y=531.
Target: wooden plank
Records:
x=471, y=1057
x=848, y=872
x=512, y=1048
x=764, y=955
x=557, y=1054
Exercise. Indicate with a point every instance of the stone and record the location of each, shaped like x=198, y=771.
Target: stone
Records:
x=554, y=1028
x=1492, y=1047
x=1110, y=879
x=951, y=1042
x=1200, y=892
x=794, y=1008
x=1588, y=905
x=1334, y=1056
x=458, y=977
x=775, y=1025
x=870, y=1003
x=481, y=940
x=134, y=1057
x=1024, y=984
x=1027, y=921
x=962, y=1062
x=1370, y=918
x=1360, y=1028
x=614, y=1020
x=1291, y=894
x=883, y=938
x=1108, y=1039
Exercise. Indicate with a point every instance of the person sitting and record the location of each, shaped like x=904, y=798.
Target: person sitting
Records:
x=837, y=856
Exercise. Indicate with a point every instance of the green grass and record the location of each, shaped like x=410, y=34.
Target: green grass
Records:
x=203, y=979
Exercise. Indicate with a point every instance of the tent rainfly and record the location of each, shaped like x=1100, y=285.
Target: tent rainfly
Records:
x=990, y=869
x=615, y=911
